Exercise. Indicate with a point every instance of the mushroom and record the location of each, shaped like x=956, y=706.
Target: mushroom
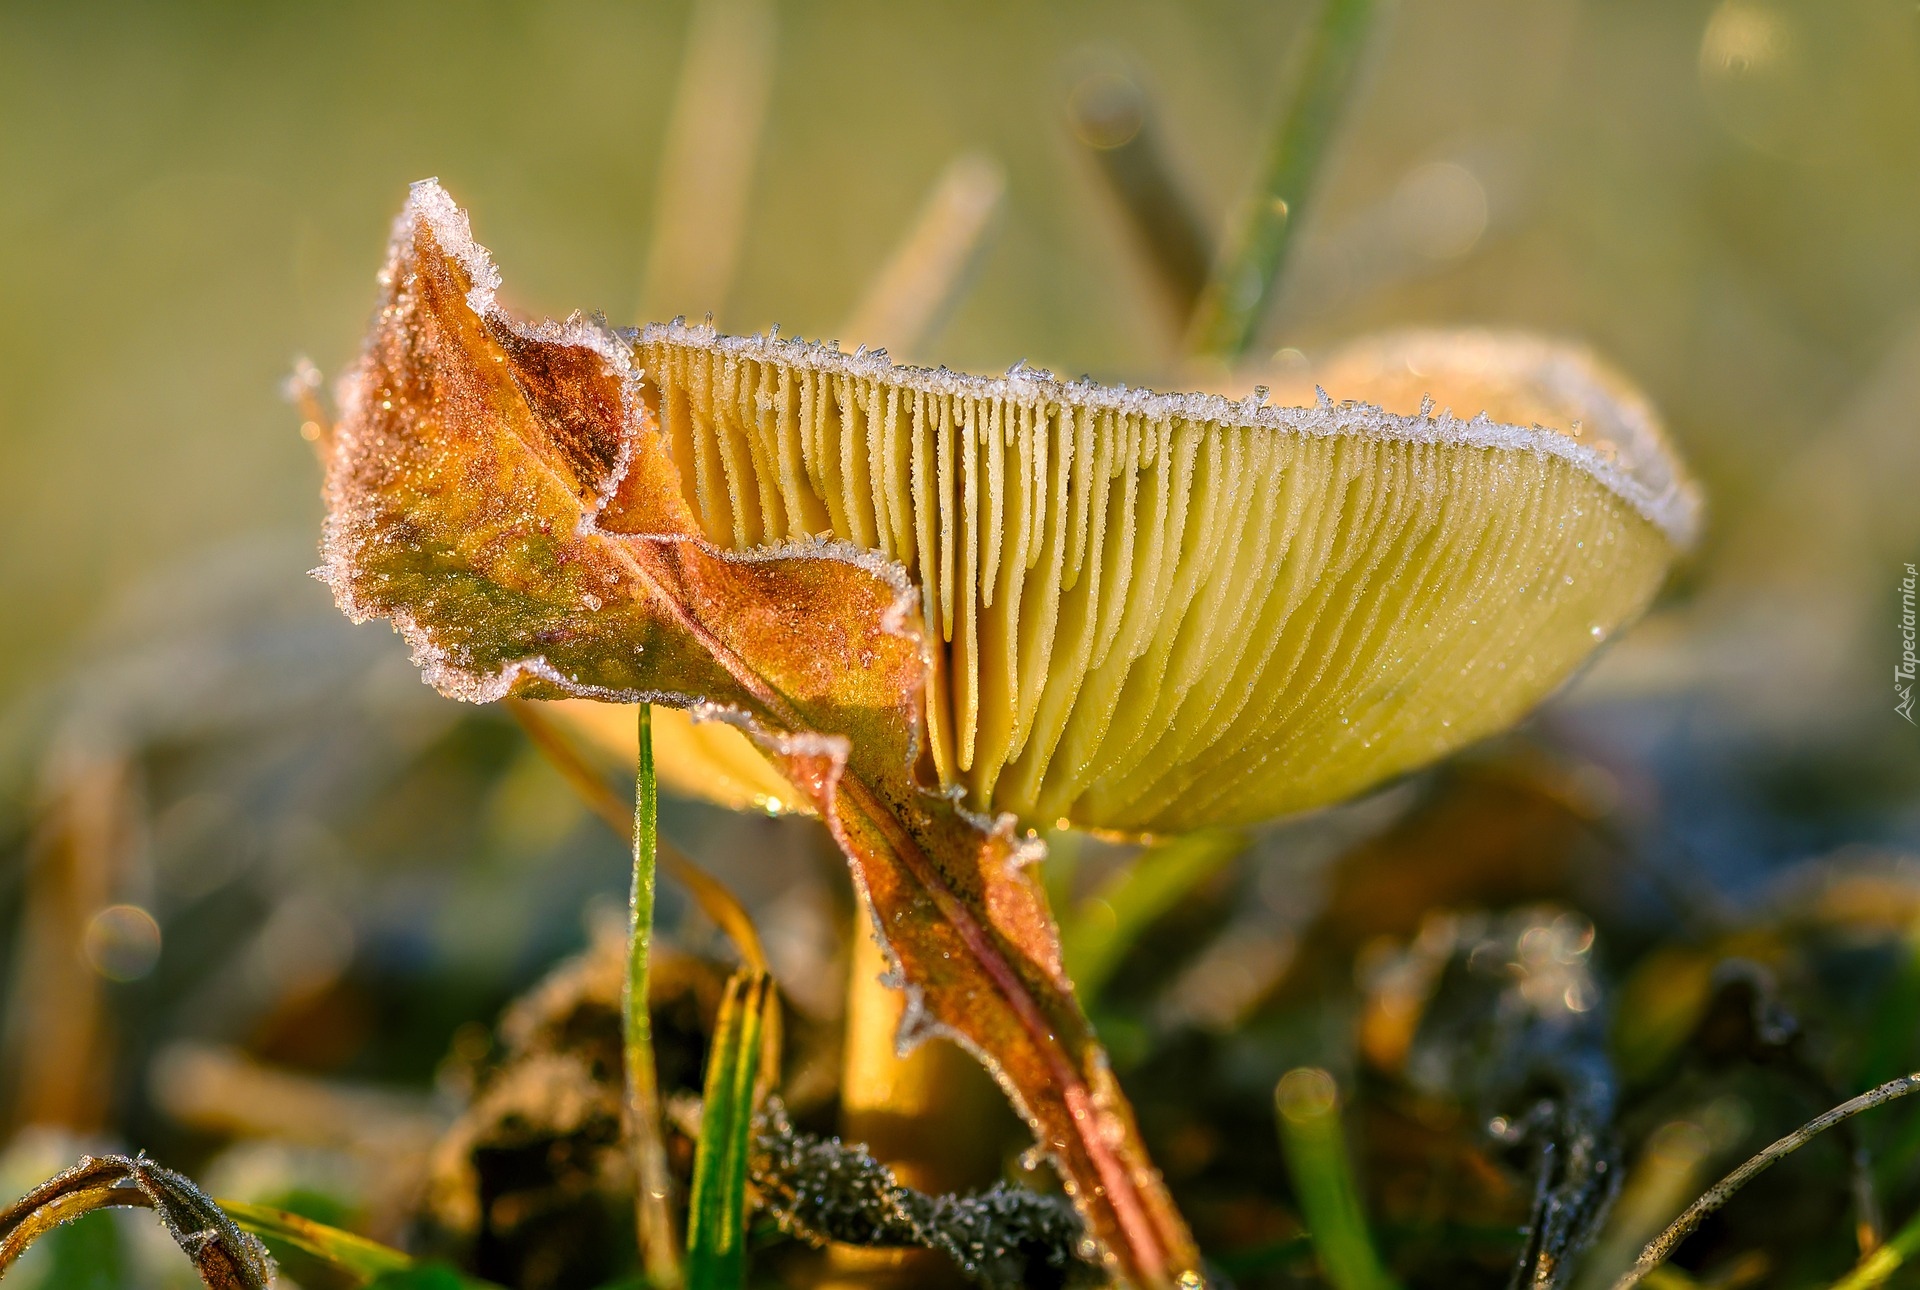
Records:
x=1135, y=611
x=1158, y=612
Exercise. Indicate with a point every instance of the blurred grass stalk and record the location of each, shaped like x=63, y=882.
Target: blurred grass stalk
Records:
x=1670, y=1168
x=1316, y=1149
x=1110, y=114
x=1096, y=936
x=54, y=1067
x=928, y=271
x=221, y=1091
x=653, y=1218
x=1324, y=71
x=706, y=170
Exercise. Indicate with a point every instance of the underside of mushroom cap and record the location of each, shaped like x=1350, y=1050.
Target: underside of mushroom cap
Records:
x=1159, y=612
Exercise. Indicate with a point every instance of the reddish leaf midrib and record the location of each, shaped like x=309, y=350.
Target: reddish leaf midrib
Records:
x=1145, y=1247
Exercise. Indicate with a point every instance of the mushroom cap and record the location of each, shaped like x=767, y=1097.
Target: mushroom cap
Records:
x=1151, y=613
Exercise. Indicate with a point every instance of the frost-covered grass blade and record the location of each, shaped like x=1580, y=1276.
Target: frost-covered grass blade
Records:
x=225, y=1256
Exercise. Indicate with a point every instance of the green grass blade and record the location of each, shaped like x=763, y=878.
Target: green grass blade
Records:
x=1876, y=1268
x=378, y=1266
x=712, y=895
x=1325, y=69
x=717, y=1213
x=1103, y=927
x=653, y=1219
x=355, y=1255
x=1316, y=1150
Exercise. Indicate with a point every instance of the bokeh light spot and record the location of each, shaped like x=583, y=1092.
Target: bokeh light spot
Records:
x=122, y=942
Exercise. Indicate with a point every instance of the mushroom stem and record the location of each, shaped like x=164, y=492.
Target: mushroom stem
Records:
x=924, y=1115
x=933, y=1116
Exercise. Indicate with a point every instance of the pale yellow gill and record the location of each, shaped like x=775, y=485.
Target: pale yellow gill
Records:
x=1154, y=613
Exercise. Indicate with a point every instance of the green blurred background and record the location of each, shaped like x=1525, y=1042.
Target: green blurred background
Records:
x=1722, y=197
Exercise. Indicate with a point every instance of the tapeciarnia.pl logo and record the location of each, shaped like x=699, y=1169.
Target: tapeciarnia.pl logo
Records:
x=1903, y=670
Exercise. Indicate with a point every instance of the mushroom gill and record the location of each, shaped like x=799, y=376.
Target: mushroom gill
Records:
x=1156, y=612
